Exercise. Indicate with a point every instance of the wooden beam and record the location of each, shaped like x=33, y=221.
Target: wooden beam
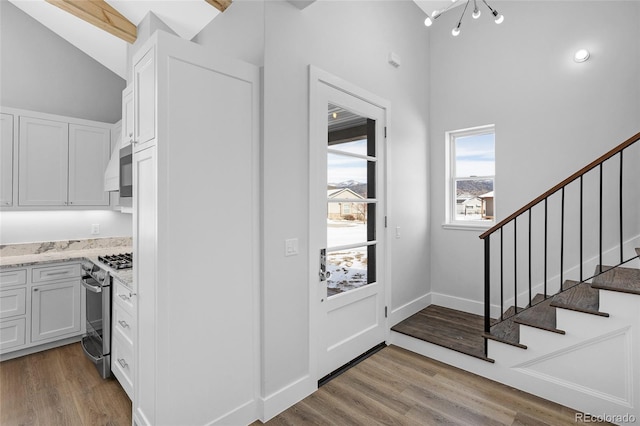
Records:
x=100, y=14
x=221, y=5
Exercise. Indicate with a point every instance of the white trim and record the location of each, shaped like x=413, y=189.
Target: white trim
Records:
x=472, y=226
x=409, y=308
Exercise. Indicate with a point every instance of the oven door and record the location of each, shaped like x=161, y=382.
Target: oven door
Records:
x=97, y=342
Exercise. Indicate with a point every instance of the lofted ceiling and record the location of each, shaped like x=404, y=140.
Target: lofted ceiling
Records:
x=185, y=17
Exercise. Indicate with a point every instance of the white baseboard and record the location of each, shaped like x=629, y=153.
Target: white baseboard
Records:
x=408, y=309
x=277, y=402
x=242, y=415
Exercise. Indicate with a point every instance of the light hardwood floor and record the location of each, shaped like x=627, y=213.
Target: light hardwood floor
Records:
x=60, y=387
x=398, y=387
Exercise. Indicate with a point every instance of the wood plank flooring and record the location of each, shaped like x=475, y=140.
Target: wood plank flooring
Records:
x=398, y=387
x=60, y=387
x=452, y=329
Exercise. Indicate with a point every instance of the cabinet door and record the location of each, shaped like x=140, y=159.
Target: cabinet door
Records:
x=55, y=310
x=144, y=100
x=6, y=160
x=144, y=269
x=89, y=153
x=12, y=334
x=127, y=116
x=43, y=148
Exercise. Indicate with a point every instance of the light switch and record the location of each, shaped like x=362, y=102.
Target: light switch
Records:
x=291, y=247
x=95, y=229
x=397, y=232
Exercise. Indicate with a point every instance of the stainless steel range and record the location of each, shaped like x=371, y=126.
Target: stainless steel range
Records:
x=97, y=282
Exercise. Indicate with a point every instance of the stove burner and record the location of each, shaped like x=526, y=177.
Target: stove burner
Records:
x=118, y=261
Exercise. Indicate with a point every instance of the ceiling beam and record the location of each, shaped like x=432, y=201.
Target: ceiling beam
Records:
x=221, y=5
x=100, y=14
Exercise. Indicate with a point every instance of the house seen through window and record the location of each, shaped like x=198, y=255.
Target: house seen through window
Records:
x=471, y=195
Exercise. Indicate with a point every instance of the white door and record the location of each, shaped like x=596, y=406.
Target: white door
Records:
x=347, y=228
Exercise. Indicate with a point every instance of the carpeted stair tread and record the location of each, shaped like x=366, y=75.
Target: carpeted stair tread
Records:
x=580, y=297
x=541, y=315
x=625, y=280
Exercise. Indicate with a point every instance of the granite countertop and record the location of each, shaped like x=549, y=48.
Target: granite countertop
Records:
x=20, y=255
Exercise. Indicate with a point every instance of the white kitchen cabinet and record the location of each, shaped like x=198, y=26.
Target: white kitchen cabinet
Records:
x=89, y=153
x=13, y=302
x=144, y=99
x=127, y=116
x=60, y=161
x=12, y=334
x=55, y=310
x=44, y=162
x=206, y=111
x=123, y=330
x=6, y=160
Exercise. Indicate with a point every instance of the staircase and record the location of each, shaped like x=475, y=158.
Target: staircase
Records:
x=551, y=326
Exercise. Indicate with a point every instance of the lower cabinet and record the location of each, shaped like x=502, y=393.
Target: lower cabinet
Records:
x=39, y=304
x=55, y=310
x=123, y=326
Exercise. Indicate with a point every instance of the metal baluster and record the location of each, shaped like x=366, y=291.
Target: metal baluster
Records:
x=501, y=275
x=600, y=226
x=545, y=248
x=530, y=257
x=581, y=215
x=515, y=263
x=562, y=241
x=621, y=205
x=487, y=289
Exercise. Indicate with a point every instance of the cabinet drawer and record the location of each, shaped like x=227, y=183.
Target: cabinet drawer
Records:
x=122, y=364
x=13, y=302
x=124, y=297
x=52, y=273
x=12, y=334
x=123, y=324
x=15, y=277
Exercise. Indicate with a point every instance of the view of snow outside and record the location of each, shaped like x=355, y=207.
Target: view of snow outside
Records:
x=348, y=267
x=474, y=158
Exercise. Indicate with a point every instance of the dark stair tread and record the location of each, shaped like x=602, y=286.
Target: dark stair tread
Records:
x=638, y=251
x=625, y=280
x=541, y=315
x=507, y=332
x=580, y=297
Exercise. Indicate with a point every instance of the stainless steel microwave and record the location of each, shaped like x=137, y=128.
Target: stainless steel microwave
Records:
x=126, y=172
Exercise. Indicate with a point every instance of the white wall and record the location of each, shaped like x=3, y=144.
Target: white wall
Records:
x=552, y=116
x=37, y=226
x=43, y=72
x=352, y=41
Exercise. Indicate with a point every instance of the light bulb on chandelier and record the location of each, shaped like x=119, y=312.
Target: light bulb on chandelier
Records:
x=498, y=17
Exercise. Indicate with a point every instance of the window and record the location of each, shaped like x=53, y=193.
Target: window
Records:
x=471, y=176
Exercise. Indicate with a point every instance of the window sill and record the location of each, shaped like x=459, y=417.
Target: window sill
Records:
x=475, y=226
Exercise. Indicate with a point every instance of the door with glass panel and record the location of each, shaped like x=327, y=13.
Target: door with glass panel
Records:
x=350, y=285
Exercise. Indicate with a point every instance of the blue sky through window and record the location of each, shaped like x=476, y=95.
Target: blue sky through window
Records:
x=475, y=155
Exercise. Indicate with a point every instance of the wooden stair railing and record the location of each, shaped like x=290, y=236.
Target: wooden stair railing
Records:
x=512, y=221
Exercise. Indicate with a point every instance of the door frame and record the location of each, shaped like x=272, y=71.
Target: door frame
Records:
x=318, y=77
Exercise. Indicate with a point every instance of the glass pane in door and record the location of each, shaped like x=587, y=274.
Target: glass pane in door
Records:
x=351, y=176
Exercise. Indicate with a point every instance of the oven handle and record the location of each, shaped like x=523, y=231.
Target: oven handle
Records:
x=92, y=357
x=90, y=287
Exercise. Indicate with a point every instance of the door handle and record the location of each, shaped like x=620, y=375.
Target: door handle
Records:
x=324, y=274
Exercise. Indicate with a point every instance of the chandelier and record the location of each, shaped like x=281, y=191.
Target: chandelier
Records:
x=475, y=14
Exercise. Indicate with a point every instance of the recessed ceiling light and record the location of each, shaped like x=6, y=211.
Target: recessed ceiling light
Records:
x=581, y=55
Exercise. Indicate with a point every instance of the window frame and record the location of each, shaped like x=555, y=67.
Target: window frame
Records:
x=450, y=193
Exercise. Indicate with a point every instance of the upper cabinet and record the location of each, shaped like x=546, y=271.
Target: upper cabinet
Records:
x=44, y=162
x=89, y=153
x=52, y=161
x=6, y=160
x=144, y=100
x=127, y=116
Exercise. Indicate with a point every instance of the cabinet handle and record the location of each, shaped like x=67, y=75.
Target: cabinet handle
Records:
x=7, y=203
x=122, y=363
x=55, y=273
x=124, y=297
x=123, y=324
x=35, y=289
x=70, y=202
